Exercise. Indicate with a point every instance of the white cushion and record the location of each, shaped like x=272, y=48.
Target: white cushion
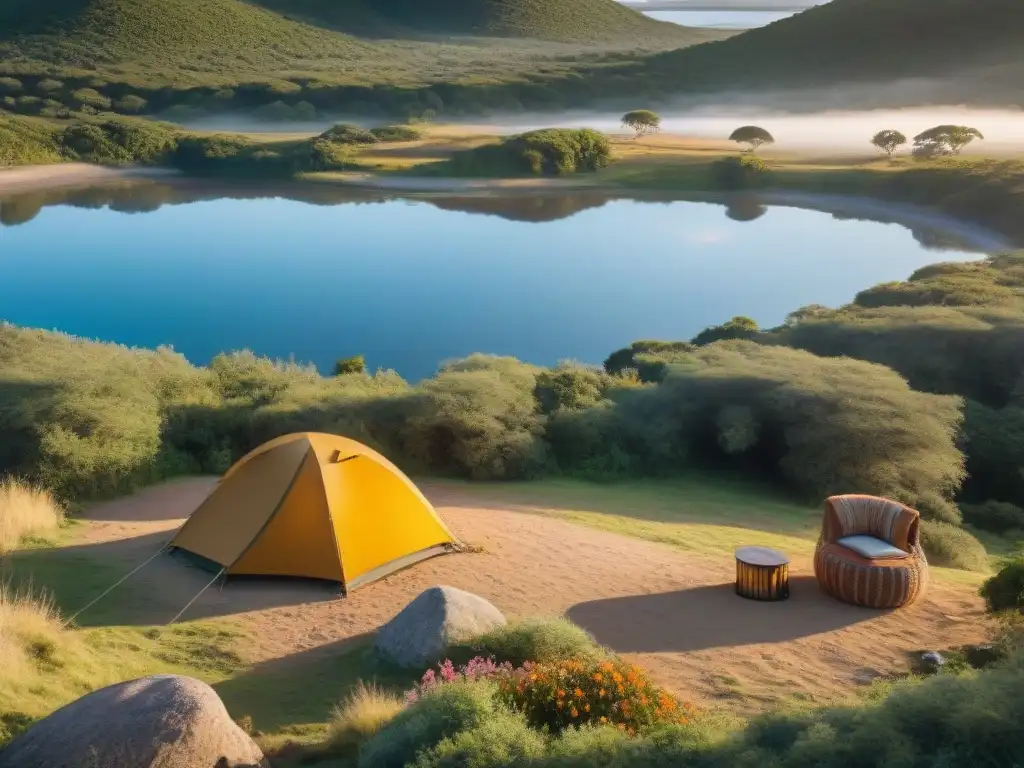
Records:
x=870, y=547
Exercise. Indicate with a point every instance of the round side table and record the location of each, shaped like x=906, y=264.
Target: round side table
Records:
x=762, y=574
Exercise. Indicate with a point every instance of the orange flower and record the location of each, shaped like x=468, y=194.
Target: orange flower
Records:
x=598, y=677
x=573, y=712
x=643, y=700
x=533, y=676
x=560, y=694
x=607, y=666
x=621, y=727
x=604, y=719
x=586, y=707
x=616, y=677
x=579, y=693
x=621, y=690
x=601, y=693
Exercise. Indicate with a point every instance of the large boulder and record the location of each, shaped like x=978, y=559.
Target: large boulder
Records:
x=163, y=721
x=436, y=619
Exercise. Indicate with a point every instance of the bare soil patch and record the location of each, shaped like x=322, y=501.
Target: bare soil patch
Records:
x=674, y=612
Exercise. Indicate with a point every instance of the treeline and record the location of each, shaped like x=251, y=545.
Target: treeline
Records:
x=952, y=330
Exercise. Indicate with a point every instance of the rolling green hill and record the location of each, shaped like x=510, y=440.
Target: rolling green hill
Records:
x=353, y=41
x=860, y=40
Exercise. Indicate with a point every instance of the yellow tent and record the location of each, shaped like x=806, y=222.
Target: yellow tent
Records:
x=317, y=506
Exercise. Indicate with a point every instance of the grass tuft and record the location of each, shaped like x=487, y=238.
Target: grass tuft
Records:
x=25, y=511
x=359, y=717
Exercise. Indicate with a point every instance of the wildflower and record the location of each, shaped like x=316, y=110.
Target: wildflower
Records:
x=616, y=677
x=573, y=712
x=621, y=727
x=598, y=677
x=579, y=693
x=533, y=677
x=447, y=671
x=607, y=666
x=586, y=707
x=561, y=693
x=604, y=719
x=621, y=690
x=601, y=693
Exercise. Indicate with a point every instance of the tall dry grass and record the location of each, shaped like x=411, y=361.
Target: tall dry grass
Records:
x=365, y=710
x=25, y=510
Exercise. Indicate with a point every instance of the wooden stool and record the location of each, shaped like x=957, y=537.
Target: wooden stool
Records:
x=762, y=574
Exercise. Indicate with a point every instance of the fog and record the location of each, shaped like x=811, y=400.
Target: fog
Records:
x=831, y=129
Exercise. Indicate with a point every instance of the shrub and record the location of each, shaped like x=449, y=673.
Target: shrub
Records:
x=443, y=712
x=119, y=141
x=131, y=104
x=346, y=365
x=573, y=693
x=504, y=739
x=737, y=328
x=561, y=150
x=737, y=173
x=275, y=110
x=48, y=86
x=995, y=516
x=396, y=133
x=1005, y=590
x=947, y=545
x=345, y=133
x=538, y=640
x=10, y=85
x=25, y=511
x=363, y=713
x=89, y=97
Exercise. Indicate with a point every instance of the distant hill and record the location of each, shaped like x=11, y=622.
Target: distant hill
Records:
x=858, y=40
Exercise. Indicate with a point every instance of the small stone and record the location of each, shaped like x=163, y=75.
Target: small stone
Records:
x=931, y=662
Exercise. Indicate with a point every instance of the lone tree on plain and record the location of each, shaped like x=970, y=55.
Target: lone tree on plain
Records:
x=347, y=365
x=753, y=135
x=889, y=141
x=945, y=139
x=643, y=121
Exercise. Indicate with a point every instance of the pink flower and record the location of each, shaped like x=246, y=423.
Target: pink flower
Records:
x=448, y=673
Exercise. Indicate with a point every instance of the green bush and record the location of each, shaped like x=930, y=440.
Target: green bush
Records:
x=396, y=133
x=994, y=516
x=553, y=151
x=118, y=141
x=537, y=640
x=952, y=547
x=9, y=85
x=737, y=328
x=501, y=740
x=736, y=173
x=346, y=365
x=345, y=133
x=1005, y=590
x=131, y=104
x=445, y=711
x=89, y=97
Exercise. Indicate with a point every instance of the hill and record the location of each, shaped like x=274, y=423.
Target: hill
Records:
x=860, y=40
x=353, y=41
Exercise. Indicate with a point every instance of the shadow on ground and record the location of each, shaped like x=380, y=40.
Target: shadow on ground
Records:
x=75, y=575
x=712, y=617
x=303, y=687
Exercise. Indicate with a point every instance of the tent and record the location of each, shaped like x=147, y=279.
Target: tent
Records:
x=317, y=506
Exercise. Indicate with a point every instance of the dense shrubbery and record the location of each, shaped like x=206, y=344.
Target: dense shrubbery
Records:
x=119, y=141
x=947, y=545
x=736, y=173
x=396, y=133
x=1005, y=590
x=553, y=151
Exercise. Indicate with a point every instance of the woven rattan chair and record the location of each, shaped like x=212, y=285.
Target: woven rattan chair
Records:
x=875, y=581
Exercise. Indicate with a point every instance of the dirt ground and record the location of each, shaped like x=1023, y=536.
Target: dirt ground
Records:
x=675, y=613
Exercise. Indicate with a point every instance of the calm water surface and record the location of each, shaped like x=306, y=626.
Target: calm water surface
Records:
x=411, y=283
x=724, y=19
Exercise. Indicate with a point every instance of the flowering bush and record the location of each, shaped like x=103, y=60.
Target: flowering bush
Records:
x=572, y=693
x=475, y=669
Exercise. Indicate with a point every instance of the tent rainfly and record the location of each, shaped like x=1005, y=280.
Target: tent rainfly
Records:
x=316, y=506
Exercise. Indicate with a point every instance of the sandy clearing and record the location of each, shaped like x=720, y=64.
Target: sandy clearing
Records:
x=36, y=177
x=673, y=612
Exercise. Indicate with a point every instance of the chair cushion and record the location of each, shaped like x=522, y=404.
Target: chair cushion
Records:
x=870, y=547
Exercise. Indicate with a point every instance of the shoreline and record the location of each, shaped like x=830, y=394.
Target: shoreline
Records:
x=35, y=178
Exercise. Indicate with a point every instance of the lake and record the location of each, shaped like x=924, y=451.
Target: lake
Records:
x=721, y=19
x=316, y=273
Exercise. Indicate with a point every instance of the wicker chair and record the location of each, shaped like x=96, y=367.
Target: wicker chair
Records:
x=878, y=582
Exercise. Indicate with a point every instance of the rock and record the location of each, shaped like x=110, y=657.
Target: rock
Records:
x=163, y=721
x=931, y=662
x=436, y=619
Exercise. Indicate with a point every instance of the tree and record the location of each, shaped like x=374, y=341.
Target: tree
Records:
x=944, y=140
x=643, y=121
x=889, y=141
x=753, y=135
x=345, y=365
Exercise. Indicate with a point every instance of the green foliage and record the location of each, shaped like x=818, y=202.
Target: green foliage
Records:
x=444, y=711
x=90, y=97
x=632, y=357
x=344, y=133
x=131, y=104
x=738, y=173
x=503, y=739
x=119, y=141
x=889, y=141
x=751, y=135
x=737, y=328
x=552, y=151
x=537, y=640
x=944, y=140
x=1005, y=590
x=48, y=85
x=347, y=365
x=995, y=516
x=24, y=142
x=643, y=121
x=952, y=547
x=396, y=133
x=9, y=85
